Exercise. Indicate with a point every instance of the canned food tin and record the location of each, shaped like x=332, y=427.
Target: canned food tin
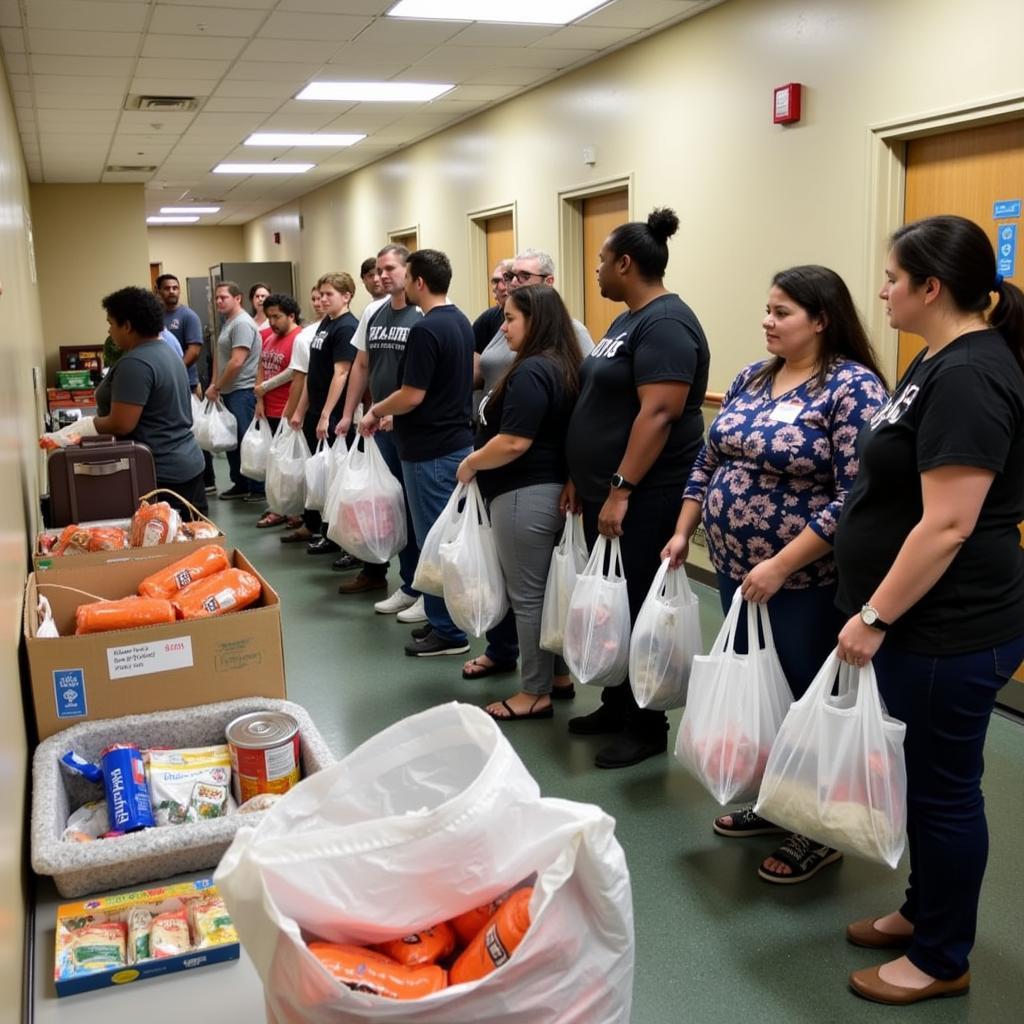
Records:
x=124, y=780
x=264, y=748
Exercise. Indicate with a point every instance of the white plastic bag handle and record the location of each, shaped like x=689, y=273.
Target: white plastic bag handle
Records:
x=595, y=566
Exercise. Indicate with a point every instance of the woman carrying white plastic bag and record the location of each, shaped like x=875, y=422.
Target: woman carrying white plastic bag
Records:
x=666, y=636
x=597, y=627
x=255, y=449
x=317, y=471
x=474, y=587
x=734, y=709
x=462, y=822
x=367, y=516
x=286, y=471
x=568, y=560
x=836, y=772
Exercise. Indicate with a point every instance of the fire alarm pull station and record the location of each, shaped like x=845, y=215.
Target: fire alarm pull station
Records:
x=787, y=103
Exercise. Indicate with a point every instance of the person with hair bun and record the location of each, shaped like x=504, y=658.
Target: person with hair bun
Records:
x=633, y=436
x=931, y=574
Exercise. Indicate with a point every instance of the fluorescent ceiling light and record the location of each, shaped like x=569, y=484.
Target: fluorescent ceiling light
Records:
x=302, y=139
x=369, y=92
x=190, y=209
x=171, y=220
x=530, y=12
x=262, y=168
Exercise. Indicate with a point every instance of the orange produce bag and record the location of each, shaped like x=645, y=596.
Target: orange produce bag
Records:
x=230, y=590
x=154, y=524
x=126, y=613
x=367, y=971
x=76, y=540
x=493, y=946
x=420, y=948
x=198, y=565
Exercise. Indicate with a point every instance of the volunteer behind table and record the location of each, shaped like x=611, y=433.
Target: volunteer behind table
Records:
x=931, y=574
x=633, y=436
x=771, y=481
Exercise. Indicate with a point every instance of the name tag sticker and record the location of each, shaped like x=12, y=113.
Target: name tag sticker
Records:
x=786, y=412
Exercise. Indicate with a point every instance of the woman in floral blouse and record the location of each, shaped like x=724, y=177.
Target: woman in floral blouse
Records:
x=769, y=485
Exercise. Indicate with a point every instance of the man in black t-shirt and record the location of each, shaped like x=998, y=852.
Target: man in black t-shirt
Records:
x=431, y=409
x=489, y=322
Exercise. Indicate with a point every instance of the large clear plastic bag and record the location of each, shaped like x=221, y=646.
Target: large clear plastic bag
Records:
x=367, y=515
x=666, y=637
x=337, y=459
x=317, y=470
x=197, y=409
x=431, y=818
x=597, y=627
x=429, y=578
x=837, y=771
x=734, y=708
x=567, y=561
x=255, y=449
x=474, y=585
x=216, y=429
x=286, y=471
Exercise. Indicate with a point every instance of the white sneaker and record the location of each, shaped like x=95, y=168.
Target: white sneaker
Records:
x=397, y=602
x=414, y=613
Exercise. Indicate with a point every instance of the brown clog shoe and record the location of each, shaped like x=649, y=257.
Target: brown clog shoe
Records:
x=868, y=985
x=864, y=933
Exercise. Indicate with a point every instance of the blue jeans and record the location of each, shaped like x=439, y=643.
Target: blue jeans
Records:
x=503, y=641
x=242, y=405
x=805, y=625
x=410, y=554
x=428, y=486
x=947, y=703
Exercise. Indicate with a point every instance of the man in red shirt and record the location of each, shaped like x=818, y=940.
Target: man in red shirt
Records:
x=282, y=312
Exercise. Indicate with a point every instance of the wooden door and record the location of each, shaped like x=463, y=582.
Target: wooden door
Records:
x=964, y=172
x=501, y=241
x=601, y=214
x=410, y=240
x=155, y=270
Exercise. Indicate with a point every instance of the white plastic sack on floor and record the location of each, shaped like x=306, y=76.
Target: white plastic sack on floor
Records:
x=568, y=560
x=474, y=585
x=317, y=470
x=217, y=429
x=255, y=449
x=837, y=771
x=429, y=578
x=367, y=516
x=286, y=471
x=597, y=627
x=666, y=636
x=432, y=817
x=734, y=708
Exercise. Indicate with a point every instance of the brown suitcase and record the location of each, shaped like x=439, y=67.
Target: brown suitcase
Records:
x=100, y=479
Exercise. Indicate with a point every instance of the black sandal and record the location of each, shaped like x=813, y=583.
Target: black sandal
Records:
x=804, y=858
x=495, y=669
x=547, y=712
x=746, y=823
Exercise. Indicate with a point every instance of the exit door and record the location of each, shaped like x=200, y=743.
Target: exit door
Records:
x=601, y=215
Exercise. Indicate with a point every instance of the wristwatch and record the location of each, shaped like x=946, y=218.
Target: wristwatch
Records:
x=620, y=482
x=869, y=617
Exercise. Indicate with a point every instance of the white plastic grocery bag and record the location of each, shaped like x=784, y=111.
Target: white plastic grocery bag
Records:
x=474, y=585
x=317, y=470
x=837, y=771
x=216, y=429
x=286, y=470
x=666, y=636
x=429, y=578
x=735, y=705
x=338, y=452
x=567, y=561
x=255, y=449
x=197, y=408
x=367, y=515
x=596, y=647
x=432, y=817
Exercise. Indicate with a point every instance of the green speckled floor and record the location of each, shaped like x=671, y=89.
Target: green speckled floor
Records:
x=714, y=943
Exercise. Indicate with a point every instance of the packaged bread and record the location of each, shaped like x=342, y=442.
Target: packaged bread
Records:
x=230, y=590
x=211, y=923
x=168, y=935
x=367, y=971
x=198, y=565
x=139, y=921
x=95, y=946
x=496, y=942
x=197, y=530
x=154, y=524
x=420, y=948
x=125, y=613
x=81, y=540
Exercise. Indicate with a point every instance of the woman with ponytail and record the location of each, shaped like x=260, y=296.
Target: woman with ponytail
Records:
x=632, y=439
x=931, y=574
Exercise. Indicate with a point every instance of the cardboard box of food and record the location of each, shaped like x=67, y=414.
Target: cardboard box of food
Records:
x=149, y=668
x=219, y=945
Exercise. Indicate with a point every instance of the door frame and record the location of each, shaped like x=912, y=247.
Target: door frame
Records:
x=570, y=233
x=396, y=234
x=476, y=225
x=887, y=145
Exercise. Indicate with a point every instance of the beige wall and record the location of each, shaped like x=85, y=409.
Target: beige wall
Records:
x=21, y=348
x=191, y=251
x=90, y=240
x=687, y=114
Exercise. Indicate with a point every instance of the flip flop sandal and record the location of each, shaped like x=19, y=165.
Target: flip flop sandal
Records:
x=563, y=692
x=547, y=712
x=269, y=519
x=803, y=856
x=746, y=823
x=296, y=538
x=498, y=668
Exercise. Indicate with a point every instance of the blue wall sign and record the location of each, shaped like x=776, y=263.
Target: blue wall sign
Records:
x=1006, y=209
x=1006, y=249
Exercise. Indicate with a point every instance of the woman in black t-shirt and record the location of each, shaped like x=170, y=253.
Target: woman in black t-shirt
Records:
x=519, y=464
x=633, y=437
x=929, y=562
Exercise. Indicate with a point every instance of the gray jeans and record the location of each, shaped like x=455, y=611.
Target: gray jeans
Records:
x=527, y=525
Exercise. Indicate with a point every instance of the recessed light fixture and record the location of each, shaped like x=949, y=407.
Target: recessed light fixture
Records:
x=190, y=209
x=302, y=139
x=371, y=92
x=262, y=168
x=529, y=12
x=171, y=220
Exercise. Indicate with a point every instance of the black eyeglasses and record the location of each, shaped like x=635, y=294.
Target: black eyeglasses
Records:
x=497, y=280
x=522, y=276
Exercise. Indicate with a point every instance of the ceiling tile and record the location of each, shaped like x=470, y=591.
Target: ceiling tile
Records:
x=79, y=84
x=12, y=40
x=204, y=70
x=297, y=72
x=290, y=50
x=289, y=122
x=292, y=25
x=579, y=37
x=197, y=47
x=10, y=15
x=84, y=120
x=96, y=44
x=241, y=5
x=87, y=15
x=141, y=122
x=279, y=91
x=484, y=34
x=19, y=83
x=253, y=104
x=331, y=6
x=145, y=86
x=94, y=67
x=17, y=63
x=73, y=101
x=220, y=20
x=508, y=76
x=639, y=13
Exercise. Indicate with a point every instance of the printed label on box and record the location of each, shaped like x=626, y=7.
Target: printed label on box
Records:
x=145, y=659
x=69, y=692
x=236, y=655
